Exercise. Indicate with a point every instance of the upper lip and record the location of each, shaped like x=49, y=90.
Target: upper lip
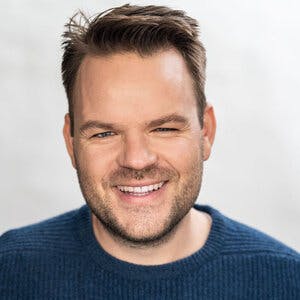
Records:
x=140, y=184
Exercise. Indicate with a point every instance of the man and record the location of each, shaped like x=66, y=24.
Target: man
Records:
x=137, y=132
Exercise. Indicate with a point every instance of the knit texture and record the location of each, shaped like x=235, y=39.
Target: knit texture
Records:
x=60, y=259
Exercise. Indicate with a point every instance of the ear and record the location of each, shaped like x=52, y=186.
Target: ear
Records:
x=69, y=139
x=208, y=130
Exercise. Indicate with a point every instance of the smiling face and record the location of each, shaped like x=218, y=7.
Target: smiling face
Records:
x=138, y=147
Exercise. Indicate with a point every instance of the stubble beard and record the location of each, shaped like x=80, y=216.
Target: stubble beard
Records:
x=182, y=202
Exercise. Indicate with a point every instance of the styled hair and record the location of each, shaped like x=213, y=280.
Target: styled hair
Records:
x=130, y=28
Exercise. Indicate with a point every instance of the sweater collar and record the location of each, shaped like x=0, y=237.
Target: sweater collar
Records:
x=104, y=260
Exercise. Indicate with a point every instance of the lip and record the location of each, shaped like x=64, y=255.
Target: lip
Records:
x=152, y=198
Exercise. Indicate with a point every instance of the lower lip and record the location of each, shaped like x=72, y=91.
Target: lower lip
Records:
x=149, y=198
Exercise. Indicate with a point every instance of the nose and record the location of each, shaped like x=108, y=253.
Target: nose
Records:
x=135, y=153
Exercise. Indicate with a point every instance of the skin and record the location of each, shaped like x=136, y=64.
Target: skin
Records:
x=129, y=92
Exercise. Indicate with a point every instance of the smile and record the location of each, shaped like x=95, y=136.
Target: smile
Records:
x=140, y=189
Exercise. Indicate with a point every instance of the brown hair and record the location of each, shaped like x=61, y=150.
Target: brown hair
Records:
x=141, y=29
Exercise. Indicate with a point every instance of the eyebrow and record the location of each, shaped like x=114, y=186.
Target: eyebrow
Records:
x=95, y=124
x=174, y=118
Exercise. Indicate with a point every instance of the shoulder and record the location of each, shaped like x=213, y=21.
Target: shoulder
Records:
x=52, y=234
x=241, y=239
x=253, y=257
x=263, y=260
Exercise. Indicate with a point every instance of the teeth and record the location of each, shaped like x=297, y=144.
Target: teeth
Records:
x=140, y=189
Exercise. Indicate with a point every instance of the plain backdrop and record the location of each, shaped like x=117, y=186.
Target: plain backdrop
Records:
x=252, y=81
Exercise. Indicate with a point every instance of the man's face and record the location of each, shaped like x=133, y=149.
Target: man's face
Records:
x=136, y=125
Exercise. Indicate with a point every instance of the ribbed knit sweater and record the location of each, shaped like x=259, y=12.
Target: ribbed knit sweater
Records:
x=60, y=258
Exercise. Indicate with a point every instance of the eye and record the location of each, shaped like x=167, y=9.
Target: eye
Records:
x=103, y=134
x=162, y=129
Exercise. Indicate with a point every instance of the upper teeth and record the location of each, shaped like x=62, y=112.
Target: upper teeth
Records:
x=140, y=189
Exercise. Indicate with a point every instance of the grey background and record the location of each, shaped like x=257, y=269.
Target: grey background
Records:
x=252, y=81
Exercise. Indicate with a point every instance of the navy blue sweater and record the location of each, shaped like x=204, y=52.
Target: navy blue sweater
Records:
x=60, y=259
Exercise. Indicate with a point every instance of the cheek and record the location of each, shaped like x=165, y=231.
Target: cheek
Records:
x=182, y=153
x=95, y=161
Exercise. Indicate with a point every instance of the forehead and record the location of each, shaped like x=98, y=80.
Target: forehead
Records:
x=123, y=84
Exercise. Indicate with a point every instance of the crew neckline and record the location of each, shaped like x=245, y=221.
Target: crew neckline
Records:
x=94, y=250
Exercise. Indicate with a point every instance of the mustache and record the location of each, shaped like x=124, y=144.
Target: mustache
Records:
x=150, y=172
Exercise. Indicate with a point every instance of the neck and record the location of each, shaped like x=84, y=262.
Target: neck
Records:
x=189, y=236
